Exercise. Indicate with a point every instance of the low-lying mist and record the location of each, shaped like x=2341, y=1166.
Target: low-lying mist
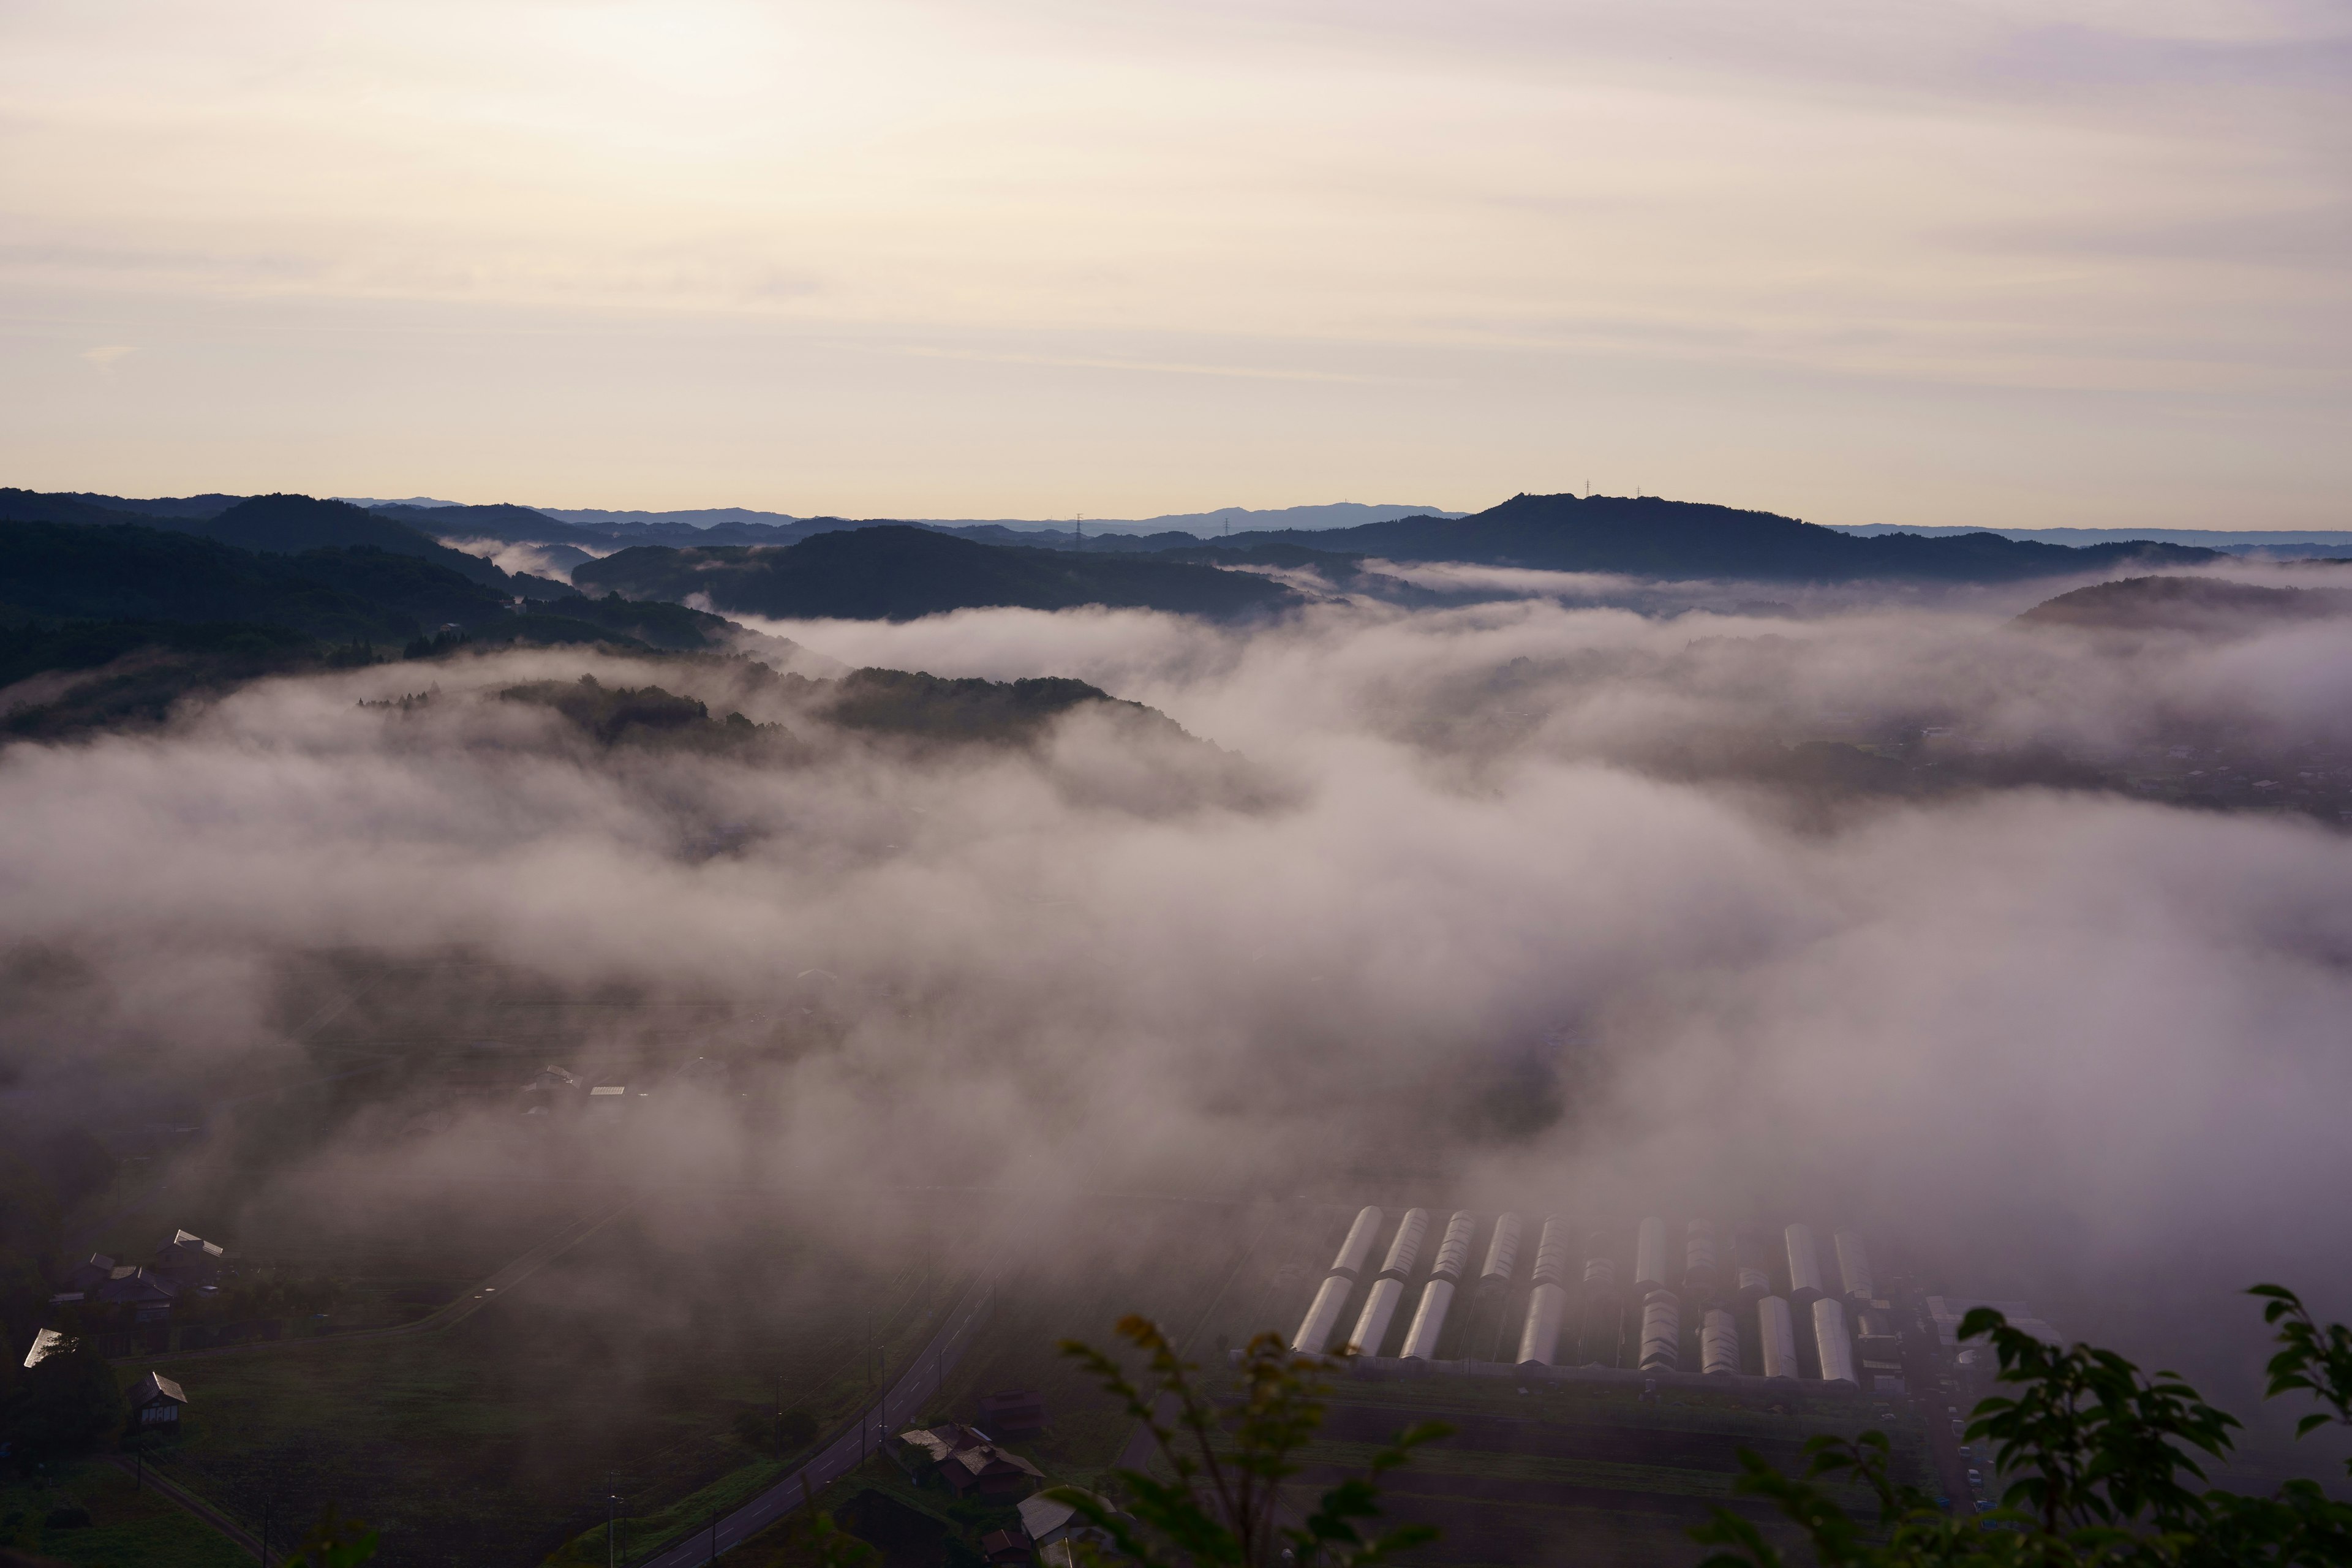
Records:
x=1512, y=903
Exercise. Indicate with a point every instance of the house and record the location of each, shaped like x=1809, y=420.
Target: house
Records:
x=1013, y=1414
x=919, y=1448
x=145, y=1294
x=553, y=1082
x=46, y=1344
x=1049, y=1523
x=87, y=1276
x=969, y=1461
x=989, y=1471
x=155, y=1403
x=1005, y=1548
x=189, y=1258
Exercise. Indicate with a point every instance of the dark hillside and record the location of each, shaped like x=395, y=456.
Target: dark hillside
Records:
x=1649, y=537
x=2185, y=604
x=898, y=573
x=163, y=506
x=425, y=591
x=273, y=524
x=290, y=524
x=129, y=674
x=32, y=506
x=894, y=701
x=500, y=520
x=124, y=571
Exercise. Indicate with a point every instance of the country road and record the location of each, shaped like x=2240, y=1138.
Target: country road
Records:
x=900, y=1403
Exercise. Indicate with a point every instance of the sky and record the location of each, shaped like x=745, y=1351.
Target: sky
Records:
x=2074, y=262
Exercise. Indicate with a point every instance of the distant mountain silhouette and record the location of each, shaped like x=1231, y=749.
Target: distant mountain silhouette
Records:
x=898, y=574
x=163, y=506
x=500, y=520
x=1647, y=537
x=2197, y=604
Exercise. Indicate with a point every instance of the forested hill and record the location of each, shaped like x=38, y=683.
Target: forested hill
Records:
x=1648, y=537
x=898, y=573
x=275, y=524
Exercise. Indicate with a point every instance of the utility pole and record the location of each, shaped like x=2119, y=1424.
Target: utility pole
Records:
x=714, y=1535
x=611, y=1558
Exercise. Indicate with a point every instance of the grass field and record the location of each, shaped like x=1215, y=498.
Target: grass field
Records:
x=129, y=1528
x=1580, y=1474
x=493, y=1442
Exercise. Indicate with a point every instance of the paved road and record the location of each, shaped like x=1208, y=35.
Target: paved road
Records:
x=479, y=1295
x=1923, y=1369
x=900, y=1403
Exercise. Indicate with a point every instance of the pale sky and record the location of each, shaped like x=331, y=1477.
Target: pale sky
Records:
x=2025, y=262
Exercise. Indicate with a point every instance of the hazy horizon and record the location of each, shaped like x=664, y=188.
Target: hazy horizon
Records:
x=2079, y=264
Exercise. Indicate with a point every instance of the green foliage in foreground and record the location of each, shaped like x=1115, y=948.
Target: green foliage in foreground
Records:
x=1223, y=1505
x=2104, y=1461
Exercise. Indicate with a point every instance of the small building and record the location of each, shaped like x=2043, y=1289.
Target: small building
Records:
x=46, y=1344
x=190, y=1257
x=1004, y=1548
x=918, y=1449
x=155, y=1404
x=968, y=1461
x=551, y=1082
x=1013, y=1414
x=989, y=1471
x=141, y=1293
x=1049, y=1523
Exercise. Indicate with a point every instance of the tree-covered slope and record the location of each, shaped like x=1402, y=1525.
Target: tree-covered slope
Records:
x=74, y=571
x=2202, y=605
x=900, y=574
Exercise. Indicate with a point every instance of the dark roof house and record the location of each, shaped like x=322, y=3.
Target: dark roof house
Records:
x=147, y=1294
x=969, y=1461
x=1003, y=1547
x=87, y=1274
x=189, y=1256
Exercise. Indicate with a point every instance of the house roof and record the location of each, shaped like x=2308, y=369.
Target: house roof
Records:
x=133, y=1282
x=942, y=1442
x=46, y=1344
x=154, y=1387
x=986, y=1457
x=1042, y=1516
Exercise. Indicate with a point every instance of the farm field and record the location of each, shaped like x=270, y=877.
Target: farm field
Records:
x=130, y=1527
x=632, y=1361
x=1574, y=1474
